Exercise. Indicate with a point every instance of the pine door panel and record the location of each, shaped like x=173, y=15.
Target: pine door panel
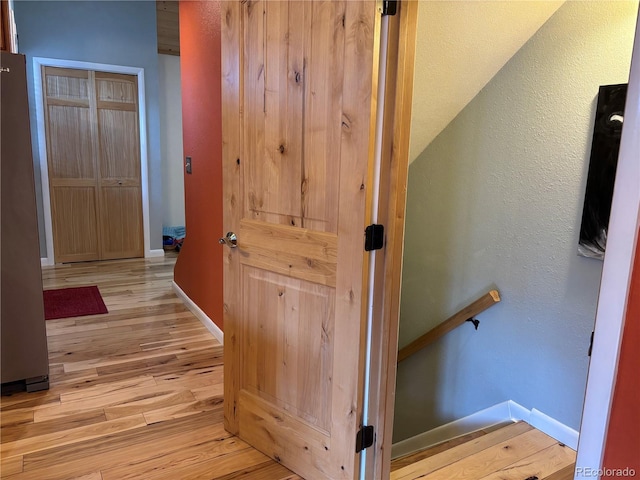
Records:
x=293, y=112
x=116, y=88
x=297, y=116
x=70, y=143
x=295, y=252
x=119, y=144
x=120, y=223
x=289, y=332
x=72, y=183
x=67, y=83
x=74, y=223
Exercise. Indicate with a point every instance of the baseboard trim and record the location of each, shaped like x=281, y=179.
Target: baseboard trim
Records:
x=477, y=421
x=200, y=315
x=517, y=412
x=46, y=261
x=554, y=428
x=508, y=411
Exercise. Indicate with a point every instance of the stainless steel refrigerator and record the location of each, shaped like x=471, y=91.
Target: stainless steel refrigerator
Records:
x=24, y=357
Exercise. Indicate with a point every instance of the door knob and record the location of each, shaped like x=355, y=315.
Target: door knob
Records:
x=231, y=240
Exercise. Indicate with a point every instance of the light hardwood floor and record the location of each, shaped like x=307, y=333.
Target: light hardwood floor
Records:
x=137, y=394
x=516, y=451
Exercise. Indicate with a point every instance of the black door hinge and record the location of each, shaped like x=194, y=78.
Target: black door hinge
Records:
x=364, y=438
x=389, y=7
x=373, y=237
x=591, y=344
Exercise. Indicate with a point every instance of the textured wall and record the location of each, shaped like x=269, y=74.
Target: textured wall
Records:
x=199, y=268
x=116, y=33
x=461, y=45
x=496, y=200
x=171, y=133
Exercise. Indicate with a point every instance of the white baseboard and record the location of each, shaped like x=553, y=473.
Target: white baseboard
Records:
x=477, y=421
x=46, y=261
x=554, y=428
x=508, y=411
x=517, y=412
x=200, y=315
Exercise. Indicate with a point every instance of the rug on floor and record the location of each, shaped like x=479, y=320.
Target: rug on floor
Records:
x=73, y=302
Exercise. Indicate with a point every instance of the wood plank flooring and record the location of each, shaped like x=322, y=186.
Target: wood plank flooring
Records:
x=137, y=394
x=513, y=452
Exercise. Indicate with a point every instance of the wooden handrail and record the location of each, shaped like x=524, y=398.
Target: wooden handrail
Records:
x=470, y=311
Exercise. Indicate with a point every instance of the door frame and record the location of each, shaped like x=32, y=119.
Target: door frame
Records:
x=616, y=280
x=38, y=63
x=394, y=169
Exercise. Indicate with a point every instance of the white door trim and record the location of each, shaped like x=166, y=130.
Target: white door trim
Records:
x=616, y=279
x=38, y=63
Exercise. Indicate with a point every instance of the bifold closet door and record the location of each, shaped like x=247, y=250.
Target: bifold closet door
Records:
x=120, y=205
x=93, y=157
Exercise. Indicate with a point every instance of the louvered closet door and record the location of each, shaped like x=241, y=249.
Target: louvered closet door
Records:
x=93, y=157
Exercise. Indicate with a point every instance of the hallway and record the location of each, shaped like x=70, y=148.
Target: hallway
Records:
x=135, y=393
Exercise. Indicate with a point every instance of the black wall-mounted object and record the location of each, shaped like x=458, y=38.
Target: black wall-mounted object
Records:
x=605, y=146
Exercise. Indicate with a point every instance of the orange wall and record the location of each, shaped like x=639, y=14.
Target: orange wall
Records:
x=198, y=270
x=622, y=448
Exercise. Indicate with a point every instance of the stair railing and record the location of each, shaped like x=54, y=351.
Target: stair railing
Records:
x=466, y=314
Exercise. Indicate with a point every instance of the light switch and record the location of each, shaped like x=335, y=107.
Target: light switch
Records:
x=187, y=164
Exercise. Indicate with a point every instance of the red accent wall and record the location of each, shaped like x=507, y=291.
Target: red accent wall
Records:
x=198, y=270
x=622, y=448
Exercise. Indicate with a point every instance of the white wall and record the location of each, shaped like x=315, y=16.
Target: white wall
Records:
x=496, y=201
x=171, y=138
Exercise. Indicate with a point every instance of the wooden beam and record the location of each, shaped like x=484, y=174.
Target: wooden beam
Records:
x=168, y=27
x=470, y=311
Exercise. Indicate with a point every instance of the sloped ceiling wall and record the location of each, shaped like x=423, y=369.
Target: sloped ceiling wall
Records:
x=461, y=45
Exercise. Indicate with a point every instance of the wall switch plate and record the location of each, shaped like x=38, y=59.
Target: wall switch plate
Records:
x=187, y=164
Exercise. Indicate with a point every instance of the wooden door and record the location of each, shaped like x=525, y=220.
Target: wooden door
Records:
x=71, y=164
x=93, y=158
x=297, y=136
x=120, y=202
